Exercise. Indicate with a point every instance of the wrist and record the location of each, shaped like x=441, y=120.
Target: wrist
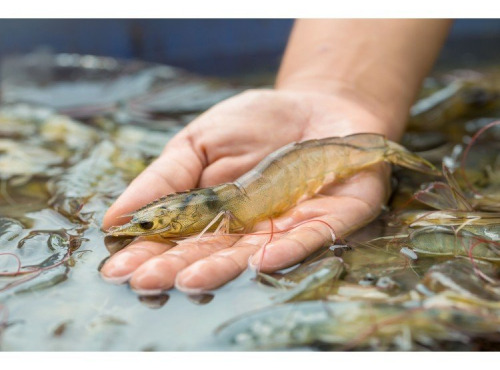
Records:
x=378, y=63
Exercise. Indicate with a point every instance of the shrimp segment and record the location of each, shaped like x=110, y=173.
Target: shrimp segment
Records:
x=284, y=178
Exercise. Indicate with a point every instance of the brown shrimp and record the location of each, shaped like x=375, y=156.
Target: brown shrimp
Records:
x=295, y=172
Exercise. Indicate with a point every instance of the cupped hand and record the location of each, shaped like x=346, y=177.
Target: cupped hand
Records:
x=219, y=146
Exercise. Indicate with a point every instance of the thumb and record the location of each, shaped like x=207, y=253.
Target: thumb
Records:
x=178, y=168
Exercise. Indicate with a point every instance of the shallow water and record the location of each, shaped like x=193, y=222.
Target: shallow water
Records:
x=53, y=199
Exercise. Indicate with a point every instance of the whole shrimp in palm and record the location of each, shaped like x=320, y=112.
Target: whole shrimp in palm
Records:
x=293, y=173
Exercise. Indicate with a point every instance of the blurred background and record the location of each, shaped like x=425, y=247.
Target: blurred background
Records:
x=216, y=47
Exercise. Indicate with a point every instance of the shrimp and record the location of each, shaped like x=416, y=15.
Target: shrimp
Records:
x=318, y=275
x=475, y=242
x=458, y=99
x=289, y=175
x=458, y=276
x=358, y=325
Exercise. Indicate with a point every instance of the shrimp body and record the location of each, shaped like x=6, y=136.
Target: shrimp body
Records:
x=291, y=174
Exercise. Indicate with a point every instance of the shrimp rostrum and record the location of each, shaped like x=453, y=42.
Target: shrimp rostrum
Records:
x=289, y=175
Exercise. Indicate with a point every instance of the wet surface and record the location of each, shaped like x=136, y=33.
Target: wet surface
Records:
x=423, y=276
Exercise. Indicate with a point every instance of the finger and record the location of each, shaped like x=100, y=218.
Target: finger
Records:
x=178, y=168
x=341, y=215
x=120, y=266
x=220, y=267
x=158, y=273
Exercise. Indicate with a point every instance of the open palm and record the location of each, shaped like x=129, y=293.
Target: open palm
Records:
x=219, y=146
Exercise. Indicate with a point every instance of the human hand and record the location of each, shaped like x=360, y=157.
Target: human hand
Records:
x=219, y=146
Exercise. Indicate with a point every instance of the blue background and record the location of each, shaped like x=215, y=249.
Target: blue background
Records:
x=223, y=47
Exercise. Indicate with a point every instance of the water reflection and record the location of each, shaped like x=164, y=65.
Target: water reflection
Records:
x=154, y=301
x=200, y=299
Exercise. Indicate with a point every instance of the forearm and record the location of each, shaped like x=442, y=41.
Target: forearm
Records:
x=379, y=63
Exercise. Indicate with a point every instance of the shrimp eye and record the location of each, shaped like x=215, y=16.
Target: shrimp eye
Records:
x=146, y=225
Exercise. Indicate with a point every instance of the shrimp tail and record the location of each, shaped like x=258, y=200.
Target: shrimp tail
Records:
x=400, y=156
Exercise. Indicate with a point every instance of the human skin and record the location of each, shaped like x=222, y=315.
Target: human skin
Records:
x=338, y=77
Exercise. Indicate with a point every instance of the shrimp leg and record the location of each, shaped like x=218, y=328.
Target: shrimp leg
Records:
x=224, y=224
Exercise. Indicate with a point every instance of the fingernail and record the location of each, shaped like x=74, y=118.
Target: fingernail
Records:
x=254, y=261
x=258, y=258
x=182, y=284
x=284, y=223
x=149, y=280
x=263, y=259
x=116, y=279
x=187, y=290
x=147, y=292
x=117, y=267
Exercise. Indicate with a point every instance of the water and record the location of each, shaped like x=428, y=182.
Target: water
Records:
x=59, y=175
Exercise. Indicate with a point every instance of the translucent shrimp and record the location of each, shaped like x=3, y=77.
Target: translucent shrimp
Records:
x=284, y=178
x=475, y=242
x=308, y=281
x=358, y=326
x=458, y=99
